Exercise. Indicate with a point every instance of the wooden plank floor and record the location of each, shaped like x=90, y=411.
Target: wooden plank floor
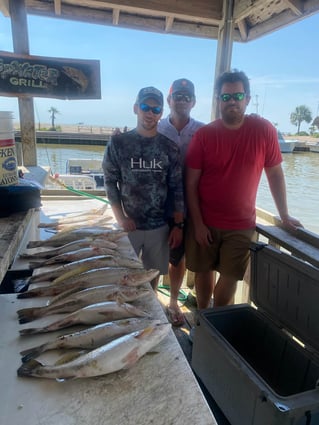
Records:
x=188, y=307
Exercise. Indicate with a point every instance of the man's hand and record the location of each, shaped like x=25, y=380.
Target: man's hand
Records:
x=291, y=223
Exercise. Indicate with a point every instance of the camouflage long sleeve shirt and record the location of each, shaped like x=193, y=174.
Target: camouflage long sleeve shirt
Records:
x=145, y=175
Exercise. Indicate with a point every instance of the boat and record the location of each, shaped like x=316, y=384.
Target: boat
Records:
x=286, y=146
x=81, y=174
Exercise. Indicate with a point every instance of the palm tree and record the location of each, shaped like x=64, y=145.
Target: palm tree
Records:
x=316, y=122
x=301, y=113
x=53, y=111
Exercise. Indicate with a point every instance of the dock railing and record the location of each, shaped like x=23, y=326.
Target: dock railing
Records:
x=301, y=243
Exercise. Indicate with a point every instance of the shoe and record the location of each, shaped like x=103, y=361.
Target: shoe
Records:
x=176, y=317
x=191, y=334
x=191, y=298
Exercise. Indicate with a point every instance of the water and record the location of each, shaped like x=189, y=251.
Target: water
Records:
x=301, y=173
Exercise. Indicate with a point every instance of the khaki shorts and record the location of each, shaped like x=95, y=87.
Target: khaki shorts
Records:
x=228, y=254
x=152, y=247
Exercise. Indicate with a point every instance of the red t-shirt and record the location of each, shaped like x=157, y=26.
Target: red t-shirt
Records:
x=232, y=162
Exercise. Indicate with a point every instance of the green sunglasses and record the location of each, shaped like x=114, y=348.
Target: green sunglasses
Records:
x=225, y=97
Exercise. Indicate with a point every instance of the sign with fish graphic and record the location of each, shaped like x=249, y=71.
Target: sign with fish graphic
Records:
x=24, y=75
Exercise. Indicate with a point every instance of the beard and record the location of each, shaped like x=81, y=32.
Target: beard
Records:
x=232, y=116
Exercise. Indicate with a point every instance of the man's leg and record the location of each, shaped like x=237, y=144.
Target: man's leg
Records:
x=224, y=292
x=176, y=275
x=204, y=285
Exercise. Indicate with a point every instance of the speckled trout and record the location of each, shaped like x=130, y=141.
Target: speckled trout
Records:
x=60, y=273
x=90, y=315
x=90, y=338
x=68, y=247
x=76, y=300
x=102, y=276
x=121, y=353
x=67, y=236
x=69, y=257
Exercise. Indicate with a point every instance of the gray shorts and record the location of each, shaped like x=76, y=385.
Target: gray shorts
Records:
x=152, y=247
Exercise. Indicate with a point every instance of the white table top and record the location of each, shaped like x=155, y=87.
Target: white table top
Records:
x=159, y=389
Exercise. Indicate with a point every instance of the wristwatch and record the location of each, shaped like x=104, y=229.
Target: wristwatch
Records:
x=180, y=225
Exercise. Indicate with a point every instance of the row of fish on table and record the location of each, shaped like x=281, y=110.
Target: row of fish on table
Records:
x=90, y=277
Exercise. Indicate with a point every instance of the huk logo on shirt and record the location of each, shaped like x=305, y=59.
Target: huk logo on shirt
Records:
x=141, y=165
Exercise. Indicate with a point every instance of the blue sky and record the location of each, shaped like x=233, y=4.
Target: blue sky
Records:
x=282, y=67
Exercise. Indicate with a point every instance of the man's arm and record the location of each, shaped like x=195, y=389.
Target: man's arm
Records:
x=277, y=185
x=202, y=233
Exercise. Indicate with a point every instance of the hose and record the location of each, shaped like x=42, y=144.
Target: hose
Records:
x=78, y=192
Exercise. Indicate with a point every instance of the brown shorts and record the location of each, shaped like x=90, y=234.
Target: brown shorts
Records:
x=228, y=253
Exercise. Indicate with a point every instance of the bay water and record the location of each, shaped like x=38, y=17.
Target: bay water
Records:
x=300, y=168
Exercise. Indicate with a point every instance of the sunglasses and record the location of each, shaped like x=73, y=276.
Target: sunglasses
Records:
x=225, y=97
x=182, y=97
x=146, y=108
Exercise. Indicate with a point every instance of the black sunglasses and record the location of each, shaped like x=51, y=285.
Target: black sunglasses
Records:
x=181, y=97
x=225, y=97
x=146, y=108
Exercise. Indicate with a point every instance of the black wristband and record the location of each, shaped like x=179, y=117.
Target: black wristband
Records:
x=179, y=225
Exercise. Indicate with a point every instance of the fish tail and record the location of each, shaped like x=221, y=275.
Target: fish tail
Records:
x=26, y=369
x=28, y=294
x=34, y=244
x=35, y=264
x=31, y=353
x=31, y=331
x=28, y=314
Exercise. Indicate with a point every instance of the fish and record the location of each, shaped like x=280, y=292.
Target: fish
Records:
x=91, y=337
x=71, y=246
x=121, y=353
x=75, y=218
x=75, y=300
x=68, y=257
x=77, y=76
x=76, y=267
x=71, y=235
x=92, y=314
x=89, y=278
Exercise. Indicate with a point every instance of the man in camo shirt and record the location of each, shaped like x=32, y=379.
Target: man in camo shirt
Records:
x=142, y=171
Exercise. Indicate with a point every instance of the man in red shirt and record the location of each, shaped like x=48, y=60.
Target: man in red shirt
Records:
x=225, y=160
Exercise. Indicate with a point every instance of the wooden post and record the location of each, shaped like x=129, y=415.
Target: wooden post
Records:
x=26, y=108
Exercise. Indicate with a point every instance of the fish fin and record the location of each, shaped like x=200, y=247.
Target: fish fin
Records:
x=26, y=368
x=69, y=378
x=30, y=353
x=28, y=314
x=131, y=358
x=144, y=332
x=68, y=358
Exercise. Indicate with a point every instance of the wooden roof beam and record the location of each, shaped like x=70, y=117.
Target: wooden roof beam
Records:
x=243, y=30
x=169, y=23
x=4, y=7
x=116, y=16
x=57, y=7
x=295, y=6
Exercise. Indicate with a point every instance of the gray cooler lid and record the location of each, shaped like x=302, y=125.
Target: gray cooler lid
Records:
x=286, y=289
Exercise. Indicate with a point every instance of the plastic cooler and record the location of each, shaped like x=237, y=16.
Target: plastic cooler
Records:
x=261, y=365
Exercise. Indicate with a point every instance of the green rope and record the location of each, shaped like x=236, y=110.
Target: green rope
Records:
x=78, y=192
x=165, y=289
x=89, y=195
